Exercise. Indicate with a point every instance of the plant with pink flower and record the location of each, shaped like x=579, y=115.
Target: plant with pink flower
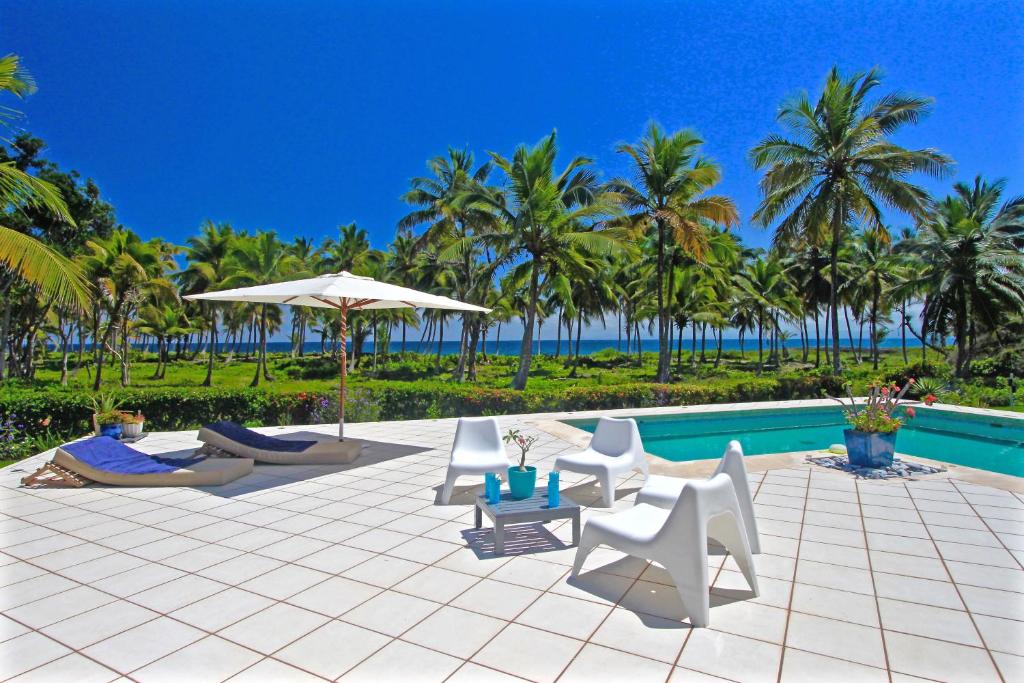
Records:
x=523, y=441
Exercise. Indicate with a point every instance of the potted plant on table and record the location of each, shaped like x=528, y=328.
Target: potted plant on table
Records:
x=872, y=440
x=522, y=479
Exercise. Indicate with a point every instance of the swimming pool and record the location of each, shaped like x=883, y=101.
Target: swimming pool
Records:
x=989, y=443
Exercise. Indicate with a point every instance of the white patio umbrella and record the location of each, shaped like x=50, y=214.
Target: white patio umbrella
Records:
x=342, y=291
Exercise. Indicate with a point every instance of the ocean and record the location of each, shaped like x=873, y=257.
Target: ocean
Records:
x=510, y=347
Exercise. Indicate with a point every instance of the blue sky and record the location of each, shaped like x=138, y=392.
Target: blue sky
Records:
x=299, y=116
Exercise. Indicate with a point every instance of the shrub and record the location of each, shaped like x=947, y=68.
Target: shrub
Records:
x=169, y=408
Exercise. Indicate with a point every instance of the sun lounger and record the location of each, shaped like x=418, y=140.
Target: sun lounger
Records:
x=234, y=440
x=107, y=461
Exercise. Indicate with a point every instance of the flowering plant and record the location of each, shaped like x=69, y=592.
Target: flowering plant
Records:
x=877, y=414
x=524, y=442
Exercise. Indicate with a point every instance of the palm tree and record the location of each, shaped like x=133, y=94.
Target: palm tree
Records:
x=540, y=216
x=307, y=253
x=163, y=322
x=261, y=260
x=667, y=195
x=209, y=265
x=762, y=285
x=974, y=249
x=874, y=272
x=839, y=165
x=125, y=270
x=403, y=269
x=22, y=256
x=446, y=203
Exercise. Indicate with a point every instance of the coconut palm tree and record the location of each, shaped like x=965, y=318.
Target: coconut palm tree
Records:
x=763, y=287
x=22, y=256
x=445, y=203
x=667, y=196
x=126, y=272
x=261, y=260
x=209, y=265
x=838, y=166
x=403, y=269
x=164, y=321
x=541, y=215
x=974, y=251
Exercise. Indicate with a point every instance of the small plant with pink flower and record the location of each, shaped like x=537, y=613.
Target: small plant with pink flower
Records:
x=523, y=442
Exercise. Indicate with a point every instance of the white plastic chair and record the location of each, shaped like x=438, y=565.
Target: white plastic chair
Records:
x=615, y=449
x=662, y=492
x=677, y=539
x=477, y=450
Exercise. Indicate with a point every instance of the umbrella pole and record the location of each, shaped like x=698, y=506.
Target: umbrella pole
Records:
x=344, y=370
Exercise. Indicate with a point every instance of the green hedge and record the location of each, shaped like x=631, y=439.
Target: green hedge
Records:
x=68, y=412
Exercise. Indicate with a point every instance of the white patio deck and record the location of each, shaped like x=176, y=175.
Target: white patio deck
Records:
x=353, y=573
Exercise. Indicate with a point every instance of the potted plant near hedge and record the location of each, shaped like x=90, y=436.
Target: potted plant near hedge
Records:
x=872, y=440
x=522, y=479
x=132, y=425
x=109, y=420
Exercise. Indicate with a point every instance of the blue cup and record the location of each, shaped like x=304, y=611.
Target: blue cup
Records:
x=492, y=488
x=553, y=492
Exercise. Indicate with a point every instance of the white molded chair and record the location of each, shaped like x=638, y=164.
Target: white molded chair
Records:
x=615, y=449
x=477, y=450
x=662, y=492
x=677, y=539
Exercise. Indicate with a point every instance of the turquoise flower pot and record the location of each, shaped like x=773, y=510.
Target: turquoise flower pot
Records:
x=522, y=484
x=869, y=449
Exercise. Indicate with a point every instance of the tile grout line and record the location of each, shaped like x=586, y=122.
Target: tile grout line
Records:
x=992, y=531
x=874, y=587
x=956, y=587
x=792, y=587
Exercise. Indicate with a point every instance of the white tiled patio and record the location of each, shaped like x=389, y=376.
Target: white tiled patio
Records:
x=354, y=573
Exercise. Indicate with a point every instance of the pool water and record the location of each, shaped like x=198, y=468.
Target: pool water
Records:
x=989, y=443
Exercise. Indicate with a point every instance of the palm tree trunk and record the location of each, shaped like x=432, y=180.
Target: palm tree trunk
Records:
x=703, y=341
x=719, y=333
x=693, y=344
x=760, y=343
x=903, y=330
x=261, y=351
x=837, y=232
x=213, y=347
x=664, y=351
x=5, y=324
x=440, y=340
x=476, y=329
x=679, y=345
x=526, y=348
x=849, y=332
x=874, y=325
x=558, y=334
x=817, y=339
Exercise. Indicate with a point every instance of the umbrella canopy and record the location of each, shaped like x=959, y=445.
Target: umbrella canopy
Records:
x=344, y=292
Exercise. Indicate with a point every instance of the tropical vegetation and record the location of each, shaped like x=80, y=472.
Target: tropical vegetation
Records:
x=860, y=252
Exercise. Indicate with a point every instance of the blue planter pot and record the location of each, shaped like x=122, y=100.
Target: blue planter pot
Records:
x=522, y=484
x=869, y=449
x=113, y=431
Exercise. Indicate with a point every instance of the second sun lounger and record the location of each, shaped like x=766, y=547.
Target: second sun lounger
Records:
x=233, y=439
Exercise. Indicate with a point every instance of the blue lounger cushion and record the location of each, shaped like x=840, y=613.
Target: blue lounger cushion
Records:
x=110, y=455
x=247, y=437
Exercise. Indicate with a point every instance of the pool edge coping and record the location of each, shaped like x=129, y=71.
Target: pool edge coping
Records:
x=553, y=424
